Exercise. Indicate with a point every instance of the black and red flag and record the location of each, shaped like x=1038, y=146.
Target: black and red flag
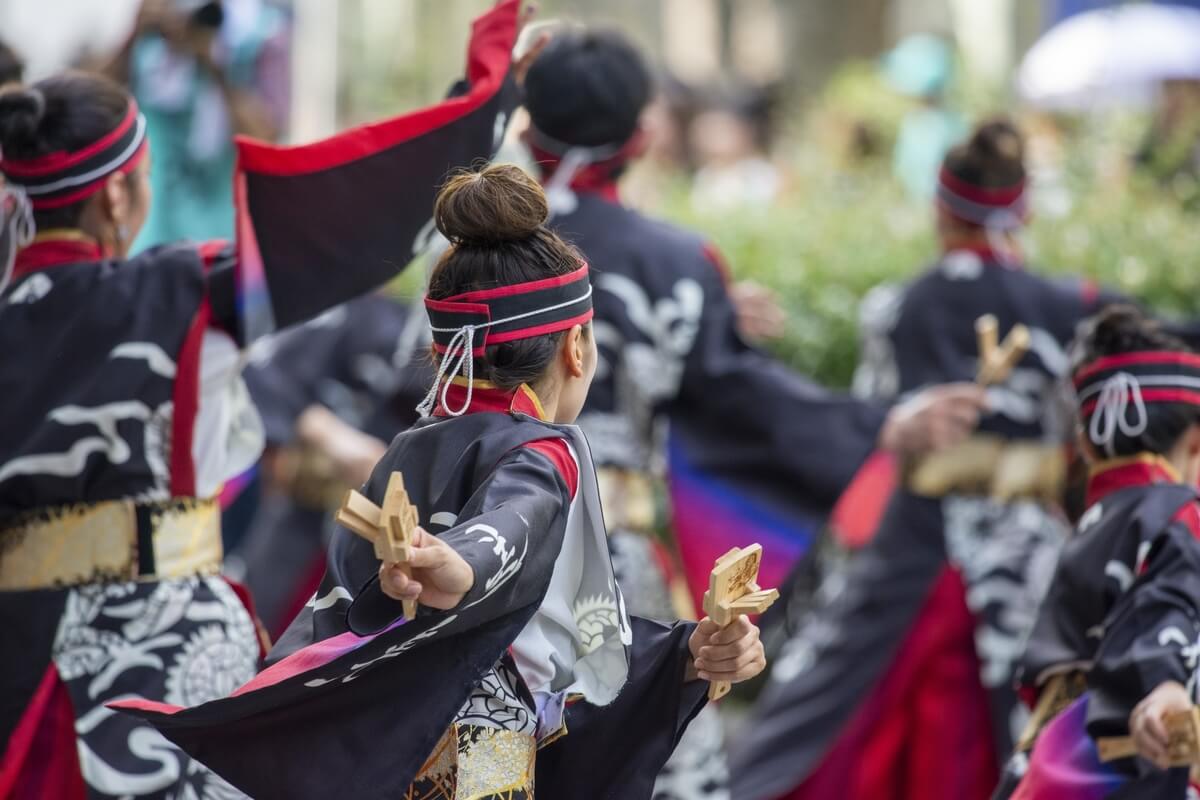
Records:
x=361, y=199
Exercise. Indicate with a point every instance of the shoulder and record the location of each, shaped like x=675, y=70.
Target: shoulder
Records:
x=594, y=222
x=561, y=457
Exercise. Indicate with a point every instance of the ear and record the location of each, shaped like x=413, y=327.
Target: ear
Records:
x=114, y=199
x=1192, y=442
x=1085, y=445
x=572, y=351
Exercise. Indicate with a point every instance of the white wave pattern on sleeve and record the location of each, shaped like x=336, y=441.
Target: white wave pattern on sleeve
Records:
x=71, y=462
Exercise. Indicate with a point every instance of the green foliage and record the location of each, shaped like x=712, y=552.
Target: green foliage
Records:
x=844, y=226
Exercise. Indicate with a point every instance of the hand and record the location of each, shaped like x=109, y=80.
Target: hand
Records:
x=933, y=419
x=521, y=66
x=733, y=653
x=1148, y=725
x=353, y=452
x=440, y=576
x=759, y=315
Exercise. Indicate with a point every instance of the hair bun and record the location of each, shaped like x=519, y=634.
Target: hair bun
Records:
x=500, y=203
x=1000, y=139
x=21, y=112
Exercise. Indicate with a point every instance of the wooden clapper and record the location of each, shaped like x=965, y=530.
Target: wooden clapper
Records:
x=997, y=359
x=1183, y=747
x=733, y=591
x=390, y=528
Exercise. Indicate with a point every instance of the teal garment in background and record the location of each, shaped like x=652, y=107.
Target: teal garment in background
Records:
x=191, y=139
x=926, y=134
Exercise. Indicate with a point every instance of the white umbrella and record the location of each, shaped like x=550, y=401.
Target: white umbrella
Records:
x=1111, y=56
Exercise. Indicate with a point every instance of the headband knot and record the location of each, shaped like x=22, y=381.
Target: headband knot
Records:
x=465, y=325
x=1109, y=388
x=64, y=177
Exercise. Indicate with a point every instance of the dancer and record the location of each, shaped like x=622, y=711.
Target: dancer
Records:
x=521, y=660
x=1122, y=617
x=126, y=414
x=910, y=650
x=670, y=351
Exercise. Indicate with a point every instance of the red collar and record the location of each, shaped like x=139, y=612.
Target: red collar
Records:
x=597, y=178
x=1141, y=470
x=54, y=249
x=486, y=396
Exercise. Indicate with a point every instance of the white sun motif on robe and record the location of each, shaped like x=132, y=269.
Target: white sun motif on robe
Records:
x=209, y=666
x=595, y=616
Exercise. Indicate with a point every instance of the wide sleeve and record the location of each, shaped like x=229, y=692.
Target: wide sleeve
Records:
x=1151, y=635
x=286, y=377
x=617, y=750
x=769, y=419
x=509, y=531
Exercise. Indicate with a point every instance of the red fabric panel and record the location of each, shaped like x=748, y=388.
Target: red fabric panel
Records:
x=925, y=731
x=1189, y=515
x=714, y=255
x=41, y=760
x=243, y=594
x=212, y=250
x=855, y=517
x=492, y=39
x=186, y=398
x=560, y=456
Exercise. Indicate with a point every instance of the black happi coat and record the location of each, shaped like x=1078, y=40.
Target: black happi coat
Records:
x=823, y=684
x=338, y=715
x=1124, y=608
x=667, y=334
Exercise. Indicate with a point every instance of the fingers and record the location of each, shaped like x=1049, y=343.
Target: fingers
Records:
x=732, y=632
x=731, y=654
x=396, y=584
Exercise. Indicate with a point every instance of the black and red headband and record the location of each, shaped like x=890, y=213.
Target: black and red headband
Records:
x=1106, y=389
x=994, y=207
x=465, y=325
x=65, y=177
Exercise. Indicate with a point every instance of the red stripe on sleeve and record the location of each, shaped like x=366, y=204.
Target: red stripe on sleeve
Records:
x=560, y=456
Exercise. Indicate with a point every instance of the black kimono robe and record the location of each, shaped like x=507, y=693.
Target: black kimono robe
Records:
x=909, y=649
x=1124, y=610
x=356, y=696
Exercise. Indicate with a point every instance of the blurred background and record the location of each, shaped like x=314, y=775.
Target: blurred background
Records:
x=803, y=136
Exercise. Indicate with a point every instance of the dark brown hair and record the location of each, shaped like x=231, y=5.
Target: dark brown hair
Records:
x=994, y=156
x=495, y=219
x=65, y=112
x=1124, y=329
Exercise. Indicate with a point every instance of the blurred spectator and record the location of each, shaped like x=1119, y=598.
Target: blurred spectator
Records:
x=729, y=142
x=201, y=72
x=922, y=67
x=12, y=68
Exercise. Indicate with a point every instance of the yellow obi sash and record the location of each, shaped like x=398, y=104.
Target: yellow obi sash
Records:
x=111, y=541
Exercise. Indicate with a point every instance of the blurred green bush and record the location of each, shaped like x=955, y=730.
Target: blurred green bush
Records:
x=843, y=225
